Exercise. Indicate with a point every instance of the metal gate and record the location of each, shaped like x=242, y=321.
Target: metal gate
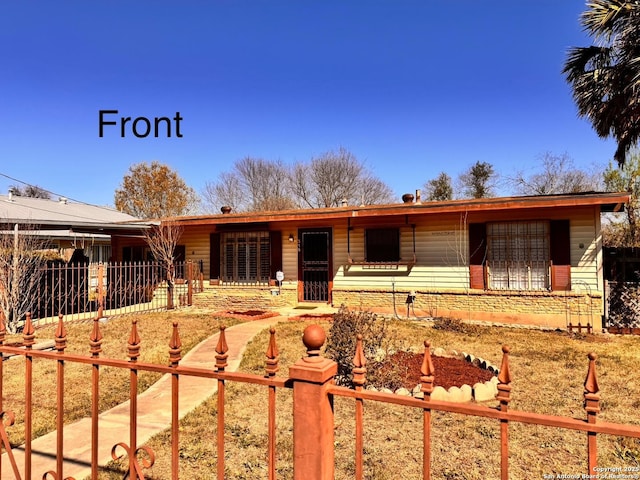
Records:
x=314, y=260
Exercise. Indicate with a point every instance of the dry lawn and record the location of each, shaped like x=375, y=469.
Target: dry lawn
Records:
x=548, y=371
x=154, y=330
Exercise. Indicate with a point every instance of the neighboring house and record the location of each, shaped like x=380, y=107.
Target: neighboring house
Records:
x=530, y=260
x=66, y=226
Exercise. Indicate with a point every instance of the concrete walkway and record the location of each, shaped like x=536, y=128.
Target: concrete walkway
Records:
x=154, y=412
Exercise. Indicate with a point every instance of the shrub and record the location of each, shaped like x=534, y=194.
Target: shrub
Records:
x=455, y=325
x=341, y=342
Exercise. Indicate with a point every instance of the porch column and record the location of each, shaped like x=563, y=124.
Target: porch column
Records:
x=313, y=410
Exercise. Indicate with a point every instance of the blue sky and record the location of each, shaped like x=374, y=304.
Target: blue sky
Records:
x=412, y=88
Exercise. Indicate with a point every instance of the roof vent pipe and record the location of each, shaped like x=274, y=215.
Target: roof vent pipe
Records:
x=418, y=195
x=63, y=200
x=344, y=202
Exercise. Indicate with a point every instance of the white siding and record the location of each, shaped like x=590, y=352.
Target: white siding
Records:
x=441, y=248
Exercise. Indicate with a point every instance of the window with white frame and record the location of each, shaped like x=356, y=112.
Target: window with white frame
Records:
x=518, y=255
x=245, y=257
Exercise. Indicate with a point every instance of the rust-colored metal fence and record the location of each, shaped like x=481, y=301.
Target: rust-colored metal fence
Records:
x=312, y=382
x=84, y=290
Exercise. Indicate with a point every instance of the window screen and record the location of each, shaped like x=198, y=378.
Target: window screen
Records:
x=382, y=245
x=518, y=255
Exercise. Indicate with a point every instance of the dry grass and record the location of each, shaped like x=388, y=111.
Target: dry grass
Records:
x=548, y=371
x=154, y=330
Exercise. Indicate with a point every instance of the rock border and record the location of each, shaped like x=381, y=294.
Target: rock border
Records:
x=480, y=392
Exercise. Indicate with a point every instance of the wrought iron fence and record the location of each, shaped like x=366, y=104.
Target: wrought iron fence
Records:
x=312, y=381
x=83, y=290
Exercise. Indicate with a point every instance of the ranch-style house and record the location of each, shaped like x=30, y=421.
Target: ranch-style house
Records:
x=533, y=260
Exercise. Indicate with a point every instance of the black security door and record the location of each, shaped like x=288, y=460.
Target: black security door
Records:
x=314, y=260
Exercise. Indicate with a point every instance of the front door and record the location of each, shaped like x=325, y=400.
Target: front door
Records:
x=314, y=264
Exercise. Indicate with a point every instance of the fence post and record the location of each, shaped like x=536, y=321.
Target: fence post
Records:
x=100, y=290
x=359, y=379
x=504, y=396
x=592, y=407
x=170, y=288
x=313, y=410
x=190, y=283
x=426, y=381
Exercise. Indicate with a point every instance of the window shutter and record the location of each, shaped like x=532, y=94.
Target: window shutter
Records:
x=477, y=243
x=477, y=254
x=275, y=238
x=560, y=242
x=214, y=256
x=476, y=276
x=560, y=277
x=560, y=254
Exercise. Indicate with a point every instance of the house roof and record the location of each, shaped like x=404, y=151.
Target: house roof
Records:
x=65, y=215
x=608, y=202
x=65, y=234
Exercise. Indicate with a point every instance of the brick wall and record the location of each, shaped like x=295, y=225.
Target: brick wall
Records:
x=231, y=298
x=548, y=309
x=545, y=309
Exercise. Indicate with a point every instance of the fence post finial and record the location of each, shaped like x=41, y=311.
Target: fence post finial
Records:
x=272, y=354
x=504, y=379
x=221, y=350
x=95, y=340
x=359, y=364
x=591, y=382
x=175, y=346
x=134, y=341
x=427, y=370
x=28, y=336
x=591, y=389
x=61, y=335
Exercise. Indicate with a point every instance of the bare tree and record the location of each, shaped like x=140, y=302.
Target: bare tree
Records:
x=254, y=184
x=162, y=240
x=335, y=176
x=558, y=175
x=439, y=188
x=33, y=191
x=479, y=181
x=374, y=191
x=21, y=268
x=227, y=191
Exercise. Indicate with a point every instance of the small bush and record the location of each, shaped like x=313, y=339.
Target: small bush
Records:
x=341, y=342
x=455, y=325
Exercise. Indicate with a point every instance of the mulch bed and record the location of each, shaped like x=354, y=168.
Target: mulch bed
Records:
x=448, y=372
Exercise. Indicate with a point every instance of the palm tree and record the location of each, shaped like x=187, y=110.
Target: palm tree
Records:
x=605, y=78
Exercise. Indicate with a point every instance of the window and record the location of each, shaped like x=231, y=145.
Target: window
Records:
x=518, y=255
x=136, y=254
x=245, y=257
x=382, y=245
x=99, y=253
